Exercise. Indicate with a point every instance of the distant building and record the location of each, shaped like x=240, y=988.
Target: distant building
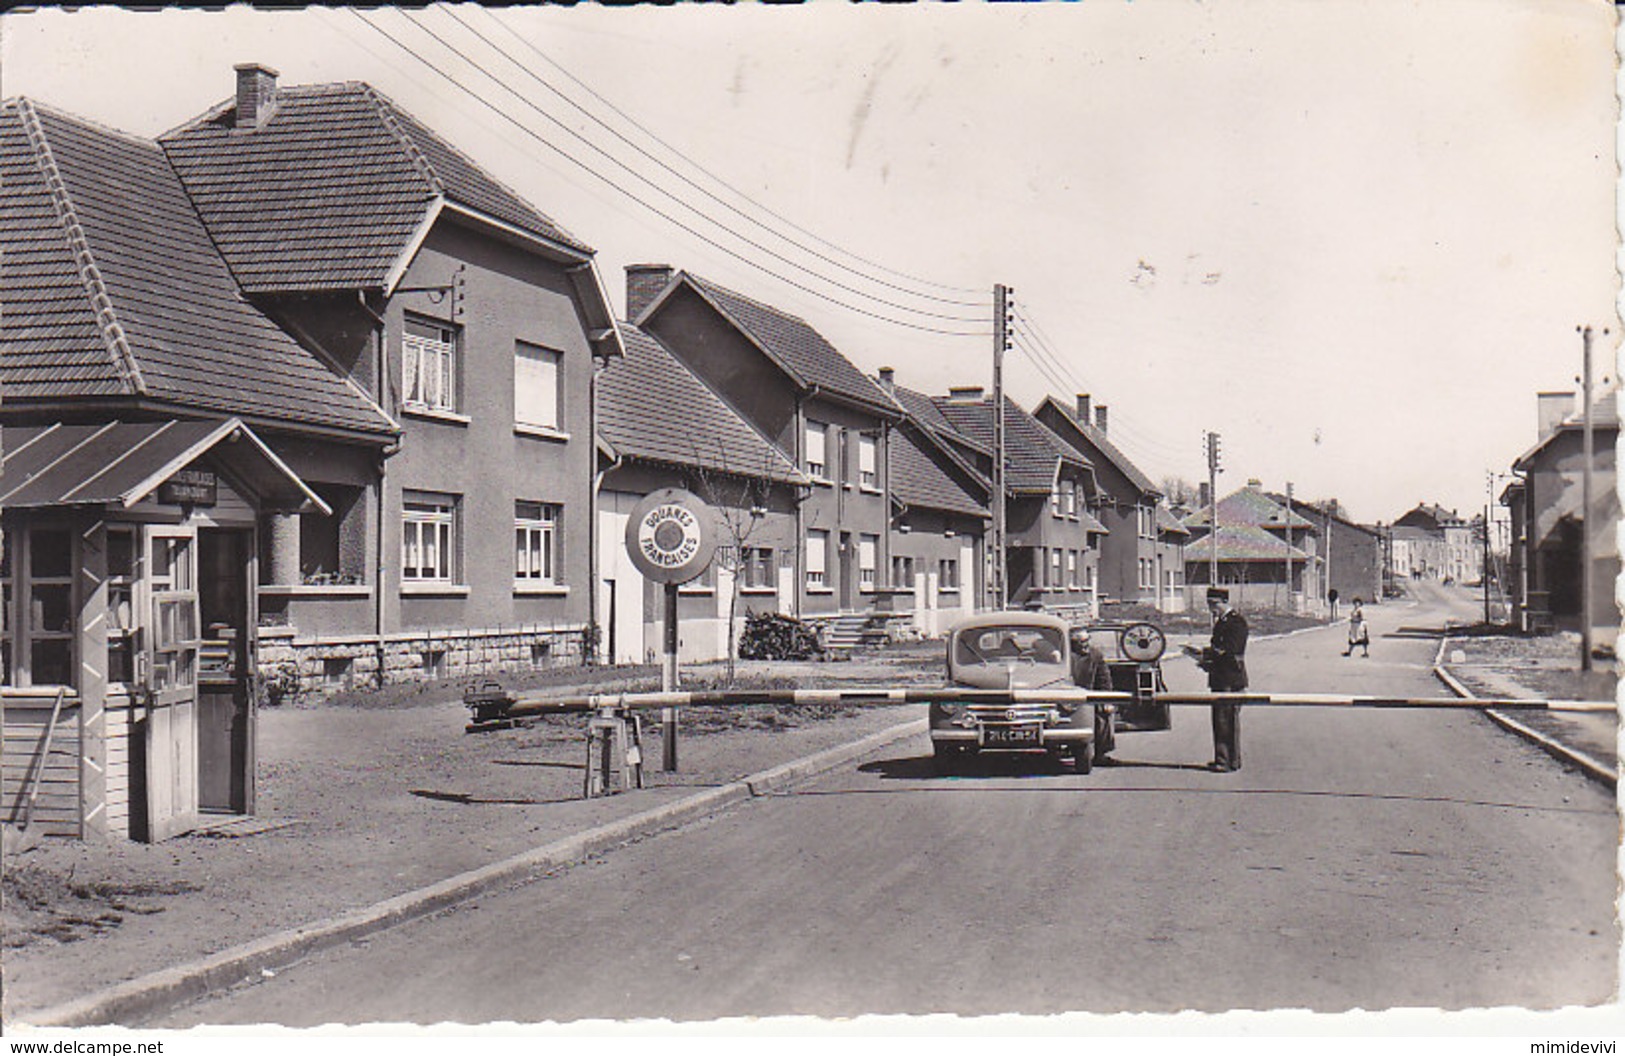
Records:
x=1431, y=542
x=1265, y=554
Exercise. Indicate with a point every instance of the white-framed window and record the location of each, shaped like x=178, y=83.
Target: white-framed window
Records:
x=1148, y=521
x=536, y=557
x=868, y=555
x=1069, y=499
x=818, y=451
x=428, y=537
x=1055, y=499
x=1072, y=569
x=817, y=557
x=429, y=365
x=537, y=377
x=868, y=475
x=948, y=573
x=1055, y=559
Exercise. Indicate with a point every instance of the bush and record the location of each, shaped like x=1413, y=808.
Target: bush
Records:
x=770, y=636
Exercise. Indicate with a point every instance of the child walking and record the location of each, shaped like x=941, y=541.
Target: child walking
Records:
x=1359, y=635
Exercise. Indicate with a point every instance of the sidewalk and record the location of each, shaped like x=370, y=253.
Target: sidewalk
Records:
x=339, y=829
x=1546, y=668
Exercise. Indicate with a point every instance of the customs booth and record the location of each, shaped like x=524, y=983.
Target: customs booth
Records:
x=127, y=622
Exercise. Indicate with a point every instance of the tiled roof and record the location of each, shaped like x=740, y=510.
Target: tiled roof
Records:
x=1249, y=506
x=1108, y=450
x=1091, y=524
x=1031, y=452
x=796, y=347
x=1244, y=542
x=1167, y=522
x=917, y=479
x=329, y=191
x=651, y=407
x=111, y=288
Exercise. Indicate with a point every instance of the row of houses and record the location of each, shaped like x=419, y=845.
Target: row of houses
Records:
x=298, y=397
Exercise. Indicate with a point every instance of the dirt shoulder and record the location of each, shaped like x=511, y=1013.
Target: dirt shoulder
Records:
x=1545, y=667
x=375, y=796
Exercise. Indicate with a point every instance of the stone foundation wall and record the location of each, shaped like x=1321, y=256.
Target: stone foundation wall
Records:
x=293, y=668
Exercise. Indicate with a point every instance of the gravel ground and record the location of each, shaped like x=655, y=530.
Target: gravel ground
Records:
x=1544, y=668
x=359, y=802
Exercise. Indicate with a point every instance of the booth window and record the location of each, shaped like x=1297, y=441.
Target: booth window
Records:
x=333, y=548
x=174, y=612
x=536, y=386
x=48, y=629
x=536, y=558
x=428, y=537
x=120, y=605
x=429, y=365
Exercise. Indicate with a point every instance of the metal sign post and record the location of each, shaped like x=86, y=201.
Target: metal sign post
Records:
x=671, y=539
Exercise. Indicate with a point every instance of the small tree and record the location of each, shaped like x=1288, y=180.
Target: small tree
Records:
x=739, y=500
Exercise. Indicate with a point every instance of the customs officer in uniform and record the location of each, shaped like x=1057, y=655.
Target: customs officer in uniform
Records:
x=1226, y=667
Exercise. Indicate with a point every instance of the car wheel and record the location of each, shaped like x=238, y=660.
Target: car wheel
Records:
x=946, y=761
x=1083, y=759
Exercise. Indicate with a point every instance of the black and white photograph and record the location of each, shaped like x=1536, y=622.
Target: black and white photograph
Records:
x=625, y=524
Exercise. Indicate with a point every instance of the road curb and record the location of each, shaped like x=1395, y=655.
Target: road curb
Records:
x=168, y=987
x=1592, y=768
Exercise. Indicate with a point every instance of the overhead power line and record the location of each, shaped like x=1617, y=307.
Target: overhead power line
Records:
x=696, y=166
x=596, y=173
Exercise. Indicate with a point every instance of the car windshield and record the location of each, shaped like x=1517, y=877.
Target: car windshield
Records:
x=997, y=645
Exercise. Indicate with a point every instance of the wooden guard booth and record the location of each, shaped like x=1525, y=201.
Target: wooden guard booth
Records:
x=127, y=622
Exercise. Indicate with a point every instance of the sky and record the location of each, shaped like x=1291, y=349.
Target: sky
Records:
x=1353, y=238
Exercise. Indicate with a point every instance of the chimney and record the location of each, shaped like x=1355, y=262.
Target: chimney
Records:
x=1254, y=484
x=256, y=95
x=1550, y=410
x=966, y=394
x=1100, y=417
x=888, y=380
x=1083, y=407
x=643, y=284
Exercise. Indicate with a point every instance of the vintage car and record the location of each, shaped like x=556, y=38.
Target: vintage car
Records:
x=1033, y=650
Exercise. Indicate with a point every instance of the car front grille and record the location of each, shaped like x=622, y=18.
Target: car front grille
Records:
x=1011, y=712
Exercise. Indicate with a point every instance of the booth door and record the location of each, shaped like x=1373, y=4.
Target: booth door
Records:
x=171, y=738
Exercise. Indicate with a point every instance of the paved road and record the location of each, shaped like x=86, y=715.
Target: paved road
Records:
x=1366, y=859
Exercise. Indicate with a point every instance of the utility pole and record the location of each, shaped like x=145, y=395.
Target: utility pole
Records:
x=1289, y=607
x=1001, y=345
x=1212, y=447
x=1489, y=497
x=1585, y=501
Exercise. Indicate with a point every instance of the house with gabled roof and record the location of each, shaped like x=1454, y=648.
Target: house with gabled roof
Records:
x=473, y=320
x=660, y=427
x=318, y=281
x=778, y=373
x=1264, y=552
x=1549, y=518
x=940, y=514
x=1142, y=555
x=1432, y=542
x=1052, y=541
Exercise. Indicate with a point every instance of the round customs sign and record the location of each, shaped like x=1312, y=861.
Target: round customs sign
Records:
x=669, y=536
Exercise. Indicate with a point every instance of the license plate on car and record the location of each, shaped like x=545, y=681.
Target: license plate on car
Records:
x=1027, y=736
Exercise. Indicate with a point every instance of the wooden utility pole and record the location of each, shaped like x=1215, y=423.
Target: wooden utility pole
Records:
x=1001, y=344
x=1484, y=574
x=1585, y=501
x=1289, y=607
x=1213, y=509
